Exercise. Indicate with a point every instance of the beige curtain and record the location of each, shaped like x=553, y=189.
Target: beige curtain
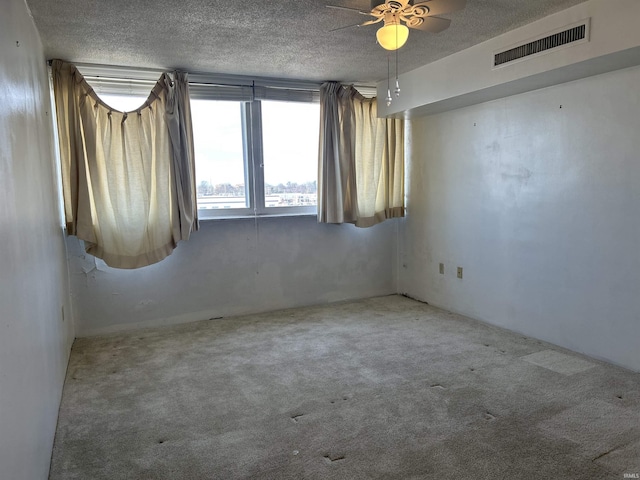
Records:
x=361, y=160
x=337, y=199
x=128, y=178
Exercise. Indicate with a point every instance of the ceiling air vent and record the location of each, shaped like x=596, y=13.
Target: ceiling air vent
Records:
x=570, y=36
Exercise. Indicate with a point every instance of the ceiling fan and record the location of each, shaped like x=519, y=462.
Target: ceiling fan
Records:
x=400, y=15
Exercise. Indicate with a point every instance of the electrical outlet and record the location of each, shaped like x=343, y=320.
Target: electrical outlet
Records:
x=442, y=269
x=459, y=272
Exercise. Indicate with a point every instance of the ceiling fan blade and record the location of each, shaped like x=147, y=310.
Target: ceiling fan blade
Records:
x=337, y=7
x=380, y=10
x=442, y=7
x=371, y=22
x=429, y=24
x=346, y=26
x=368, y=22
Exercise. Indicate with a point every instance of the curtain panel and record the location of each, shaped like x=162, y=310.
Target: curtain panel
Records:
x=128, y=177
x=337, y=198
x=361, y=159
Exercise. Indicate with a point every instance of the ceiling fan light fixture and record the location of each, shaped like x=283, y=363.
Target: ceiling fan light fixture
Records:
x=393, y=36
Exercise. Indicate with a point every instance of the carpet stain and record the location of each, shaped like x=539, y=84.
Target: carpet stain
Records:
x=343, y=399
x=334, y=458
x=607, y=452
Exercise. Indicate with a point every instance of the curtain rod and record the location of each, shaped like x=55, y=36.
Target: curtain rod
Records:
x=141, y=74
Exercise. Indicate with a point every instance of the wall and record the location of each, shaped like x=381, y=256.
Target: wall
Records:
x=536, y=196
x=468, y=77
x=234, y=267
x=34, y=338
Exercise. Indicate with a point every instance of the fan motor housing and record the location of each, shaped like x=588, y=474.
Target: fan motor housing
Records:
x=375, y=3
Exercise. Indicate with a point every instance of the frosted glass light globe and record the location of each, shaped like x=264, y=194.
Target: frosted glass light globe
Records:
x=392, y=37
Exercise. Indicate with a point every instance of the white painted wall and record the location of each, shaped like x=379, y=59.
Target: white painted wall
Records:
x=537, y=197
x=468, y=77
x=234, y=267
x=34, y=339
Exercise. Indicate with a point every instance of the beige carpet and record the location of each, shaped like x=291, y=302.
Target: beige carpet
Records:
x=382, y=388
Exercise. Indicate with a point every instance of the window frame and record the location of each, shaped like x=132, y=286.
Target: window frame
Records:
x=249, y=177
x=253, y=155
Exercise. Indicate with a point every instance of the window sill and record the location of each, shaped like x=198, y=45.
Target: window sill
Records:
x=258, y=216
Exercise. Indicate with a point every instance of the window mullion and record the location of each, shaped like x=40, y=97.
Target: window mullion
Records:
x=247, y=139
x=257, y=161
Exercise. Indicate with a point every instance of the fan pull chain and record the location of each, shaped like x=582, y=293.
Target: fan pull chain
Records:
x=389, y=97
x=397, y=90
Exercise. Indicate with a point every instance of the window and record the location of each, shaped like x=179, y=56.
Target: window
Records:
x=124, y=103
x=255, y=157
x=290, y=132
x=256, y=141
x=221, y=176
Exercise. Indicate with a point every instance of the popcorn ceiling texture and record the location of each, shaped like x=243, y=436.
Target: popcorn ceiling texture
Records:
x=281, y=38
x=382, y=388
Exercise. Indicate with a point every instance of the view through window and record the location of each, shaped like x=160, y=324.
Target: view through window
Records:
x=221, y=181
x=123, y=103
x=290, y=153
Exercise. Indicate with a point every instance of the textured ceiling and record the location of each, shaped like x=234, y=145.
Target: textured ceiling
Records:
x=275, y=38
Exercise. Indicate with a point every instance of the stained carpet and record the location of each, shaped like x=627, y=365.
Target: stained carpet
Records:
x=383, y=388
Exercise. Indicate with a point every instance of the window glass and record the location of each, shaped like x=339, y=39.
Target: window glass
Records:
x=290, y=153
x=219, y=151
x=123, y=103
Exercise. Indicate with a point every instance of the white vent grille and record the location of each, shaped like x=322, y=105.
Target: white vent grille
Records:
x=573, y=35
